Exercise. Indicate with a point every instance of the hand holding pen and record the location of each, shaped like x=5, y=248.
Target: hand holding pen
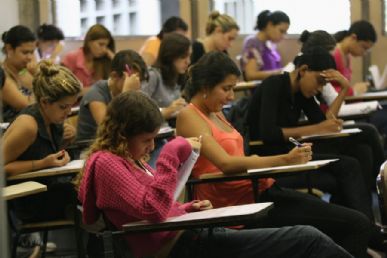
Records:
x=302, y=153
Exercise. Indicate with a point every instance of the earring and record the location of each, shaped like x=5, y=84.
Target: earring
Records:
x=204, y=96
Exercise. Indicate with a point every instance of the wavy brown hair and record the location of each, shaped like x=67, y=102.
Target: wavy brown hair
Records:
x=128, y=115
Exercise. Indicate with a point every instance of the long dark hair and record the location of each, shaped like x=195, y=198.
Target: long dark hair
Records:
x=102, y=65
x=211, y=69
x=362, y=29
x=317, y=38
x=275, y=18
x=173, y=46
x=172, y=24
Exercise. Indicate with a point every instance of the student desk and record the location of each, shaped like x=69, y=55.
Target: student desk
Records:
x=219, y=177
x=73, y=167
x=243, y=86
x=22, y=189
x=221, y=217
x=381, y=95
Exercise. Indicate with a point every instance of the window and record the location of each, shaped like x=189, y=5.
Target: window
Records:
x=121, y=17
x=329, y=15
x=99, y=5
x=133, y=23
x=83, y=5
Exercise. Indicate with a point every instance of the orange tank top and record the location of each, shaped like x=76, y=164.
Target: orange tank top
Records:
x=227, y=193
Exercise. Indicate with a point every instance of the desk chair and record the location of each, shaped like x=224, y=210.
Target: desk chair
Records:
x=226, y=219
x=45, y=226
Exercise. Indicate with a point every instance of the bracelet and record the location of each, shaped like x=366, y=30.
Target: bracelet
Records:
x=33, y=165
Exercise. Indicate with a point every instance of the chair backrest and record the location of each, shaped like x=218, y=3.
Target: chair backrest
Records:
x=381, y=187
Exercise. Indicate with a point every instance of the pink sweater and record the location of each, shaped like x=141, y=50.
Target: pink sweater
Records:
x=124, y=193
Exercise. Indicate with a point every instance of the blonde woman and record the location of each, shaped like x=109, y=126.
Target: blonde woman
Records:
x=221, y=31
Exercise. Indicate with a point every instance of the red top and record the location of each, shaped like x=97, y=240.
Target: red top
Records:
x=344, y=70
x=75, y=61
x=227, y=193
x=124, y=193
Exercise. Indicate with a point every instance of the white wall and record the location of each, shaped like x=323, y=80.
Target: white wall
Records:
x=9, y=17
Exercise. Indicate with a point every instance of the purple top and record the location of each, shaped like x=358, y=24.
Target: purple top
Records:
x=266, y=54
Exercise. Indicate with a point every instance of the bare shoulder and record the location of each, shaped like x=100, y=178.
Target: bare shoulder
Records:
x=24, y=125
x=190, y=124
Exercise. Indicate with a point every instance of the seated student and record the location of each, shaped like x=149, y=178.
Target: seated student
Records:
x=115, y=162
x=273, y=117
x=221, y=31
x=332, y=101
x=150, y=49
x=356, y=41
x=167, y=76
x=92, y=62
x=222, y=150
x=35, y=141
x=49, y=44
x=94, y=104
x=19, y=46
x=260, y=58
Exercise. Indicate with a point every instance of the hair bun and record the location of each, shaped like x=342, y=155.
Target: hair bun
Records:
x=304, y=36
x=4, y=36
x=214, y=15
x=47, y=68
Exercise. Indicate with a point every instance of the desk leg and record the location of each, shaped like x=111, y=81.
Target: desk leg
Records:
x=254, y=183
x=107, y=237
x=190, y=192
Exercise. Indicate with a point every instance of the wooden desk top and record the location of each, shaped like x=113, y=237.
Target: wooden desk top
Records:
x=227, y=216
x=73, y=167
x=241, y=86
x=342, y=133
x=381, y=95
x=268, y=172
x=22, y=189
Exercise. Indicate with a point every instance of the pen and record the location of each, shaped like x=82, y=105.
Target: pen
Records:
x=128, y=70
x=295, y=142
x=331, y=113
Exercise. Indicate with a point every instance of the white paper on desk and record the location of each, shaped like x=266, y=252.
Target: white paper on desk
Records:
x=74, y=164
x=184, y=173
x=344, y=131
x=359, y=108
x=238, y=210
x=380, y=81
x=310, y=164
x=165, y=129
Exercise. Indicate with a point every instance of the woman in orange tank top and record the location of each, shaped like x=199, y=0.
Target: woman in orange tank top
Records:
x=209, y=88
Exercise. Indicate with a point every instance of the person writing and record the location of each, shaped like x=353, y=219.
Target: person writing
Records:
x=116, y=161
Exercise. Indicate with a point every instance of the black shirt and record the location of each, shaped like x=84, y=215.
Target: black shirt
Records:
x=274, y=106
x=42, y=146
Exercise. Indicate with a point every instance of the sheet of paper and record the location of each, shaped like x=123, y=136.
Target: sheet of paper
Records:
x=213, y=213
x=344, y=131
x=310, y=164
x=74, y=164
x=184, y=173
x=380, y=80
x=359, y=108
